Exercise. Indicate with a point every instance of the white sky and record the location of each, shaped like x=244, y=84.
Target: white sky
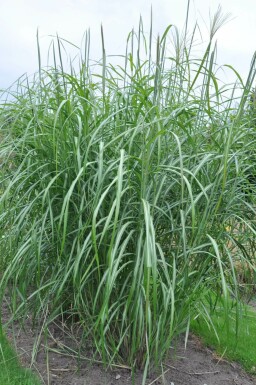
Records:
x=19, y=20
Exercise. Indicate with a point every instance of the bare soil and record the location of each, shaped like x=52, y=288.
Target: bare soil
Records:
x=56, y=364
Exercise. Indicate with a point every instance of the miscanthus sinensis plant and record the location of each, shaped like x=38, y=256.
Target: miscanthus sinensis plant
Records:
x=122, y=191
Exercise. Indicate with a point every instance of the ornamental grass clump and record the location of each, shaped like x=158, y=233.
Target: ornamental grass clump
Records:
x=120, y=187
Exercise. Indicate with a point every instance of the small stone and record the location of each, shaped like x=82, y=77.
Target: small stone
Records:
x=118, y=376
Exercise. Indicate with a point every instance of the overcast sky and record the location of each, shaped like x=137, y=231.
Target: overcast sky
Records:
x=19, y=20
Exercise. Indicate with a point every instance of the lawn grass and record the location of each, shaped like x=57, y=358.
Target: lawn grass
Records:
x=235, y=342
x=11, y=372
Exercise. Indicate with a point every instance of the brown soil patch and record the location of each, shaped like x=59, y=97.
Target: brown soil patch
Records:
x=195, y=365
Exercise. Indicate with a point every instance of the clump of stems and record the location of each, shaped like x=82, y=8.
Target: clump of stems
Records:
x=123, y=190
